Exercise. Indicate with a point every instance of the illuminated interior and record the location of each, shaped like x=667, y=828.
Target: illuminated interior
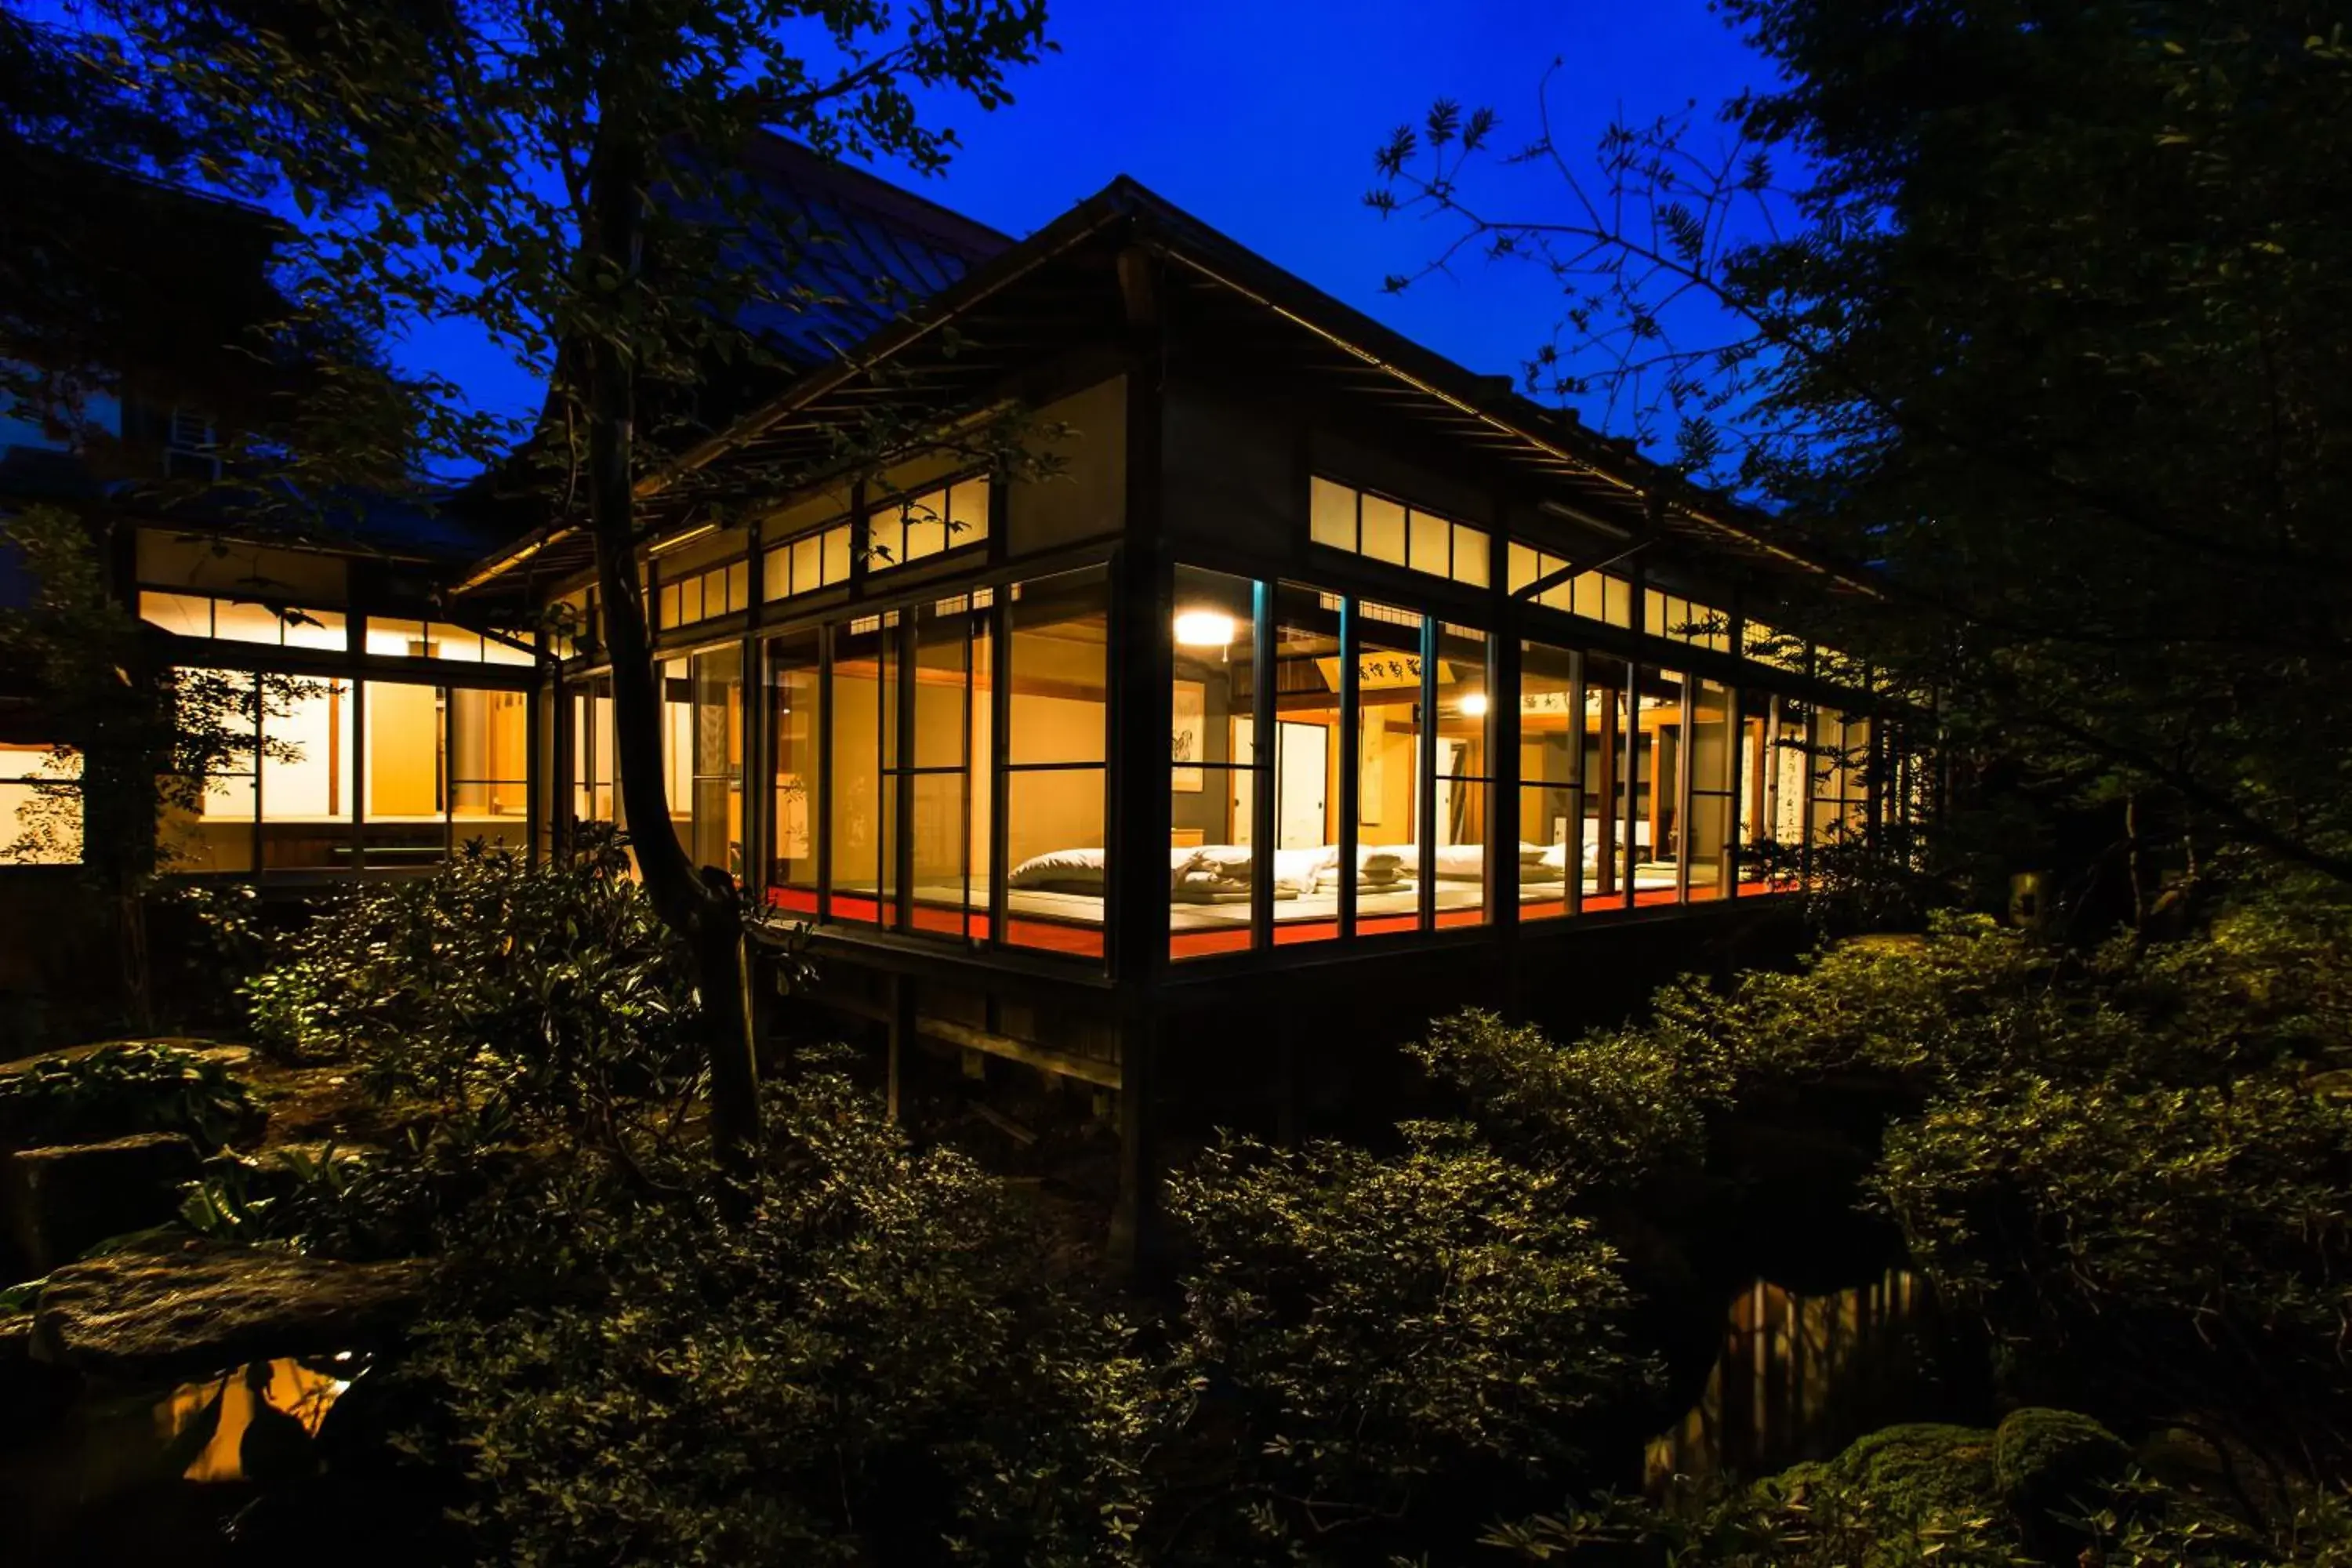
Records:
x=379, y=773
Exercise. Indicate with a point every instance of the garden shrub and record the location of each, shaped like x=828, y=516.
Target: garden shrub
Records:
x=550, y=994
x=1404, y=1344
x=117, y=1090
x=850, y=1356
x=2131, y=1162
x=1604, y=1111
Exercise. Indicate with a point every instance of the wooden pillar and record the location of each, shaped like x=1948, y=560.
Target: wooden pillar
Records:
x=1288, y=1085
x=1143, y=661
x=901, y=1040
x=1604, y=881
x=1135, y=1233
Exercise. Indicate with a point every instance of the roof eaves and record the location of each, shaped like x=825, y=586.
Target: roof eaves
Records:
x=989, y=278
x=1225, y=261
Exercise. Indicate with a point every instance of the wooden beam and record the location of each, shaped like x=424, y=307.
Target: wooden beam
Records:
x=1105, y=1075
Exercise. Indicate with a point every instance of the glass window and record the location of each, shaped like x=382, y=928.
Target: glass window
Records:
x=1057, y=711
x=1520, y=564
x=795, y=715
x=1607, y=881
x=234, y=622
x=1307, y=764
x=572, y=624
x=182, y=614
x=1841, y=773
x=218, y=834
x=716, y=832
x=1470, y=564
x=1383, y=537
x=398, y=639
x=1707, y=842
x=1779, y=747
x=595, y=797
x=1367, y=524
x=1332, y=514
x=489, y=766
x=1390, y=801
x=863, y=723
x=673, y=687
x=1596, y=595
x=912, y=527
x=944, y=817
x=1213, y=765
x=1654, y=776
x=813, y=561
x=1429, y=543
x=404, y=796
x=1460, y=777
x=514, y=648
x=306, y=774
x=1766, y=646
x=1553, y=843
x=40, y=805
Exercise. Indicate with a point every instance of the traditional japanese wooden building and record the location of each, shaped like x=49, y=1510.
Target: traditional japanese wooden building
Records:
x=1323, y=675
x=1323, y=680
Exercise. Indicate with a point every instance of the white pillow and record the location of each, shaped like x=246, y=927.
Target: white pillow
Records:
x=1058, y=866
x=1226, y=860
x=1298, y=869
x=1461, y=862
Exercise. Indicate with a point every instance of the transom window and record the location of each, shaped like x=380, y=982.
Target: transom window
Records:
x=930, y=523
x=706, y=595
x=1596, y=595
x=802, y=566
x=1678, y=619
x=1362, y=523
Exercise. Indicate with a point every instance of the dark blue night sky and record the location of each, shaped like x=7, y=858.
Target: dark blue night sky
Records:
x=1262, y=119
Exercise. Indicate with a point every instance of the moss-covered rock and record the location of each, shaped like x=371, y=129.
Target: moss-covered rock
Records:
x=1917, y=1468
x=2052, y=1465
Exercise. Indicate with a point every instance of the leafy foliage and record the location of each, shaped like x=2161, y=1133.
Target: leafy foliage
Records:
x=117, y=1090
x=1604, y=1111
x=548, y=996
x=133, y=749
x=850, y=1357
x=1406, y=1343
x=2037, y=308
x=2130, y=1162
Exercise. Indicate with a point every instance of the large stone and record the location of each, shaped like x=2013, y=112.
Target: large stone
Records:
x=61, y=1201
x=2053, y=1466
x=31, y=1391
x=166, y=1310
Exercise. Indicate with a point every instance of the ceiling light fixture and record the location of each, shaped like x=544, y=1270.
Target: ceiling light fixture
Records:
x=1203, y=628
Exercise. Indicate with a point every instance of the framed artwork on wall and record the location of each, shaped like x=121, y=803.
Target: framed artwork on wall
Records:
x=1189, y=742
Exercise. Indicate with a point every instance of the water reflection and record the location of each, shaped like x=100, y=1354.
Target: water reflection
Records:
x=254, y=1422
x=133, y=1475
x=1799, y=1378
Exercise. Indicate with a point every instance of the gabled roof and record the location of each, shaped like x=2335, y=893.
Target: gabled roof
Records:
x=1009, y=309
x=866, y=249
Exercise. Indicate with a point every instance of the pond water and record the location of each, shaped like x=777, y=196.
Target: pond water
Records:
x=154, y=1474
x=1799, y=1377
x=126, y=1475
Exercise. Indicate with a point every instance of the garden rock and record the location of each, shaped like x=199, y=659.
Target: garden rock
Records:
x=2052, y=1466
x=167, y=1310
x=61, y=1201
x=30, y=1391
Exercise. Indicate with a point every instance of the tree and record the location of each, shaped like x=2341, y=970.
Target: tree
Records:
x=561, y=175
x=2039, y=308
x=129, y=748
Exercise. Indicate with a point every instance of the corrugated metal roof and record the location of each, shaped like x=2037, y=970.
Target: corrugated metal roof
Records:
x=864, y=251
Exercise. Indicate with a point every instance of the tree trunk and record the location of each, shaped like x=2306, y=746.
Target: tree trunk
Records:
x=704, y=910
